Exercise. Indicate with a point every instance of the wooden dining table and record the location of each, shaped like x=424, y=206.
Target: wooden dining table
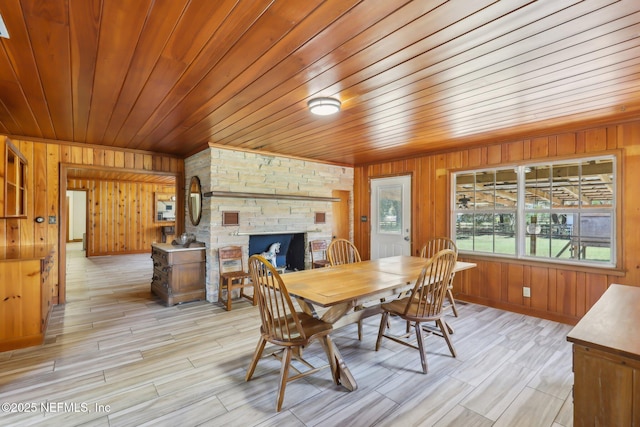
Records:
x=333, y=293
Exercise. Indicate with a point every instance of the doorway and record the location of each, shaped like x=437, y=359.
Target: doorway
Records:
x=390, y=216
x=77, y=217
x=340, y=215
x=107, y=174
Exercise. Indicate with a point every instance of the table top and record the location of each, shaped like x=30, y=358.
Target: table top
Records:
x=611, y=325
x=362, y=280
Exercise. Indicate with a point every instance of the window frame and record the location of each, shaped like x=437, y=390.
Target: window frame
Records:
x=522, y=211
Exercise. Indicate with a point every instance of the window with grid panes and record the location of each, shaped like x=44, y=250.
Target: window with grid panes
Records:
x=562, y=211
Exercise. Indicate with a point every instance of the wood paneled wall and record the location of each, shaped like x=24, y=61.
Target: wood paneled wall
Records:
x=43, y=198
x=562, y=293
x=120, y=215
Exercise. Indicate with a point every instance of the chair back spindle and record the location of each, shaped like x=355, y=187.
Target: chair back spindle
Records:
x=437, y=244
x=342, y=251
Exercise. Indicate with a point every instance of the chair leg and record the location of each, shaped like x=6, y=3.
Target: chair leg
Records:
x=423, y=354
x=449, y=328
x=221, y=284
x=445, y=333
x=359, y=330
x=383, y=325
x=284, y=375
x=452, y=302
x=246, y=296
x=229, y=286
x=256, y=356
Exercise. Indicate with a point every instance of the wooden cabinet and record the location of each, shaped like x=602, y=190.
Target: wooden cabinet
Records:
x=606, y=361
x=15, y=182
x=178, y=273
x=25, y=297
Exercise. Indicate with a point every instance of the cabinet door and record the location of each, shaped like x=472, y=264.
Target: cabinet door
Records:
x=187, y=277
x=603, y=389
x=20, y=311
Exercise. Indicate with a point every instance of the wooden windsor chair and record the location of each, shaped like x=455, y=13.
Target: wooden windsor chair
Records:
x=434, y=246
x=342, y=251
x=424, y=304
x=285, y=327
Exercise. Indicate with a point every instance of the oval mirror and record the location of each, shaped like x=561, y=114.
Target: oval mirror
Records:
x=195, y=200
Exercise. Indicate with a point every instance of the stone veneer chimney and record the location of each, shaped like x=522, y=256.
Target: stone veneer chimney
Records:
x=250, y=172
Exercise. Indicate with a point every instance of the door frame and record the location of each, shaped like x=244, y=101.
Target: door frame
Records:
x=62, y=209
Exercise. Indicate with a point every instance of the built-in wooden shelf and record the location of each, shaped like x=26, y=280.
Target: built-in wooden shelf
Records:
x=241, y=195
x=15, y=182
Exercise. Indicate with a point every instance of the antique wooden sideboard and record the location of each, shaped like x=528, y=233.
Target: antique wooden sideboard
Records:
x=178, y=273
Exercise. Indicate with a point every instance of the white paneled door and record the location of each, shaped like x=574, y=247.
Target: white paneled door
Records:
x=390, y=216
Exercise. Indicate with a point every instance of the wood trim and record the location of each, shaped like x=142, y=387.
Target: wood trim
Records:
x=16, y=150
x=90, y=146
x=241, y=195
x=62, y=231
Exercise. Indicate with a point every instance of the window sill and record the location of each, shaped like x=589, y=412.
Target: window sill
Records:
x=611, y=271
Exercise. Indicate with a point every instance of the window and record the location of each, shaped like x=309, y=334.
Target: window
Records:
x=562, y=211
x=390, y=208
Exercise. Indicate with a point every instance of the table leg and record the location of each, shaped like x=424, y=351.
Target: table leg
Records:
x=308, y=308
x=336, y=312
x=340, y=371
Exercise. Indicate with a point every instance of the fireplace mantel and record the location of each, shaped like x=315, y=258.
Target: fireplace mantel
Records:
x=266, y=233
x=241, y=195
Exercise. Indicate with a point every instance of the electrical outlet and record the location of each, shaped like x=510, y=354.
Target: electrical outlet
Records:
x=526, y=292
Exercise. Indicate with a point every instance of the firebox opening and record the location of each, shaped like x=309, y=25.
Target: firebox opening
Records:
x=292, y=248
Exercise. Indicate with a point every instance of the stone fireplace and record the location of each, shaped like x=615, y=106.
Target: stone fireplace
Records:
x=299, y=193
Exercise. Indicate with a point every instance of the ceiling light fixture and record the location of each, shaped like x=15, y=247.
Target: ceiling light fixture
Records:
x=324, y=106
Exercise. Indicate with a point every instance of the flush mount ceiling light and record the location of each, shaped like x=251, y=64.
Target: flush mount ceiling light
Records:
x=324, y=106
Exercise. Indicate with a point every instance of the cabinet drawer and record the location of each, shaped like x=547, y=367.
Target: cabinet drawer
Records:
x=159, y=257
x=185, y=257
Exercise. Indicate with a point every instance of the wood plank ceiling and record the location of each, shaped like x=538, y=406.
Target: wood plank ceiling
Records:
x=172, y=76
